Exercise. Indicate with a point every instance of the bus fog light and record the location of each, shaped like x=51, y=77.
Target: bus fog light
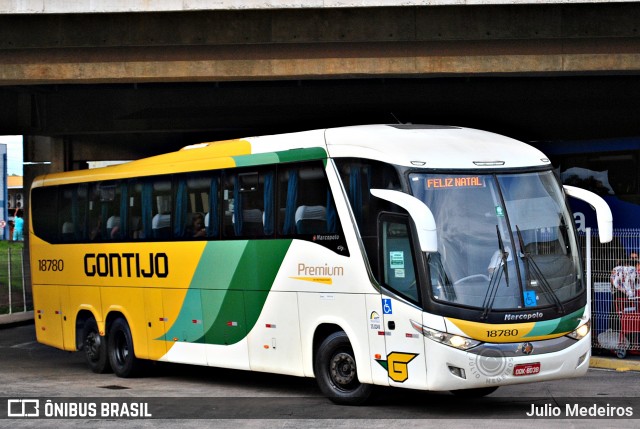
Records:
x=582, y=359
x=458, y=372
x=581, y=332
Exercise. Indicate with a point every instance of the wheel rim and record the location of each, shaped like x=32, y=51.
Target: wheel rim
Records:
x=342, y=369
x=92, y=345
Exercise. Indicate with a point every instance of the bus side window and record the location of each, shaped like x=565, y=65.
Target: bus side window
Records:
x=247, y=218
x=249, y=201
x=44, y=209
x=161, y=209
x=397, y=256
x=306, y=208
x=141, y=209
x=228, y=206
x=306, y=204
x=94, y=227
x=113, y=198
x=194, y=206
x=135, y=210
x=73, y=213
x=287, y=198
x=313, y=201
x=212, y=218
x=359, y=177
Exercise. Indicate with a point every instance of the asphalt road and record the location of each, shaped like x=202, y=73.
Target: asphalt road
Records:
x=189, y=396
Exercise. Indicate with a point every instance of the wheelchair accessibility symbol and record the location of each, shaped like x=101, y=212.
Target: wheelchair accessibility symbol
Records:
x=530, y=298
x=386, y=306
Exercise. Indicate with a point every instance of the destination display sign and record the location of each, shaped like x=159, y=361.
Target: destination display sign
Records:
x=454, y=182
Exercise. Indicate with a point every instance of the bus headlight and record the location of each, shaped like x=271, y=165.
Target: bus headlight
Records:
x=581, y=332
x=456, y=341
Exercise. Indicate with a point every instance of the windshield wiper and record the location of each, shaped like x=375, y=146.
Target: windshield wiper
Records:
x=492, y=291
x=532, y=267
x=496, y=276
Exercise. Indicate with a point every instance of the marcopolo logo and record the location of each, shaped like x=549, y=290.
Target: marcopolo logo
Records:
x=523, y=316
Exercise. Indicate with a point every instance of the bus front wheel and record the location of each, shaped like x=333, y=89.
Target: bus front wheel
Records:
x=120, y=349
x=336, y=372
x=95, y=348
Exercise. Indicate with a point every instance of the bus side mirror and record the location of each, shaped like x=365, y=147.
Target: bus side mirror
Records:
x=603, y=212
x=420, y=214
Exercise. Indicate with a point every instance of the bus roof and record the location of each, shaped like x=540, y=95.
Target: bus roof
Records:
x=427, y=146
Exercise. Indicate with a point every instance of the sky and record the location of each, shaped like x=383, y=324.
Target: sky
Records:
x=14, y=154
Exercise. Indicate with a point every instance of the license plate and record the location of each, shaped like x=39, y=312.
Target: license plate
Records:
x=526, y=369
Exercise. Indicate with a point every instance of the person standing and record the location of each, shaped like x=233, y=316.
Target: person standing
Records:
x=18, y=226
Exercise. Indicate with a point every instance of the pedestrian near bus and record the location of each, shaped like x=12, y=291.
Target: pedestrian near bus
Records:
x=18, y=226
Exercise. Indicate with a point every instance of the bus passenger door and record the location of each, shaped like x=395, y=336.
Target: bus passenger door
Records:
x=405, y=360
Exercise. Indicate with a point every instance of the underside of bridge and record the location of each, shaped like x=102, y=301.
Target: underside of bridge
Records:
x=126, y=85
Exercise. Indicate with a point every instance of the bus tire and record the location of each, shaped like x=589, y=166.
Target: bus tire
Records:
x=120, y=349
x=95, y=347
x=336, y=372
x=478, y=392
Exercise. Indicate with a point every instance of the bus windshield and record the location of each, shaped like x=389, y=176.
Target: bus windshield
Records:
x=505, y=241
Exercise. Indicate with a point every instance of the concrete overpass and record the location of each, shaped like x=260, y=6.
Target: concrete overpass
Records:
x=120, y=80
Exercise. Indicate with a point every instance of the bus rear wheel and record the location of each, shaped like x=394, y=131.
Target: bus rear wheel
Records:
x=95, y=348
x=120, y=349
x=336, y=372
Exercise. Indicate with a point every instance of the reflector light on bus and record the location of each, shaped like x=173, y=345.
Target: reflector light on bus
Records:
x=488, y=163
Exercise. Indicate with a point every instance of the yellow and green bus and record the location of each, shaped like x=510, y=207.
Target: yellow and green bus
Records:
x=426, y=257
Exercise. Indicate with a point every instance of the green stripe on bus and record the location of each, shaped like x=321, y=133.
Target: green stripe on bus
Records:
x=230, y=286
x=293, y=155
x=256, y=159
x=302, y=154
x=556, y=326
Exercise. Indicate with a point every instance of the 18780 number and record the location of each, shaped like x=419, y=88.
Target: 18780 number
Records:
x=50, y=264
x=503, y=333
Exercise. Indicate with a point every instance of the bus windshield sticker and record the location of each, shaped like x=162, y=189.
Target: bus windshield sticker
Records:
x=530, y=298
x=396, y=259
x=499, y=211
